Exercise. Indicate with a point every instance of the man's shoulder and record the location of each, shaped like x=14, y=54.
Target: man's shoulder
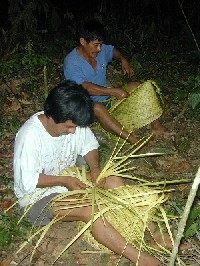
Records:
x=106, y=51
x=72, y=60
x=71, y=55
x=82, y=130
x=85, y=136
x=31, y=126
x=107, y=47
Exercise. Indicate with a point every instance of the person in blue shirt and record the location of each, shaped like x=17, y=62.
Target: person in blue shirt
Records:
x=87, y=64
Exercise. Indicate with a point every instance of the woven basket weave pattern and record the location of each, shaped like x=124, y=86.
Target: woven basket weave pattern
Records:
x=140, y=109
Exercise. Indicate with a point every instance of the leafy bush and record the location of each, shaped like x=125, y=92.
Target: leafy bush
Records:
x=194, y=85
x=192, y=227
x=9, y=227
x=193, y=223
x=190, y=94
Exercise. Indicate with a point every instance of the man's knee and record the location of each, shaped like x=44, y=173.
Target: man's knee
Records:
x=99, y=109
x=85, y=214
x=113, y=182
x=132, y=85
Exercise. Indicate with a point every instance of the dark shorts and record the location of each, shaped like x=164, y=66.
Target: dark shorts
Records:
x=107, y=102
x=39, y=214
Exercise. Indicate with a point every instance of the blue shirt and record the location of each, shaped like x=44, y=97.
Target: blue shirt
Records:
x=77, y=69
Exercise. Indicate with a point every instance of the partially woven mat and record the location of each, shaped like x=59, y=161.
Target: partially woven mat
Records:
x=141, y=108
x=137, y=206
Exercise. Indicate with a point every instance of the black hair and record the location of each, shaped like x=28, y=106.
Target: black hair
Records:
x=92, y=30
x=69, y=101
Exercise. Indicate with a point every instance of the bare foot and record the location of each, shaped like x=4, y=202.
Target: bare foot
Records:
x=132, y=139
x=159, y=130
x=164, y=133
x=148, y=260
x=158, y=241
x=167, y=243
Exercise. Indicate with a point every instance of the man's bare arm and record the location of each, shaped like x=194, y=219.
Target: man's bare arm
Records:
x=92, y=159
x=125, y=65
x=71, y=183
x=96, y=90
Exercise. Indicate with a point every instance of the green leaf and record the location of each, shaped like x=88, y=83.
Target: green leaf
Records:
x=180, y=95
x=194, y=214
x=195, y=99
x=191, y=231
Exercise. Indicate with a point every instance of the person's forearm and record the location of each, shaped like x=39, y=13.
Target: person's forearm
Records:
x=92, y=159
x=51, y=181
x=70, y=182
x=96, y=90
x=127, y=69
x=118, y=55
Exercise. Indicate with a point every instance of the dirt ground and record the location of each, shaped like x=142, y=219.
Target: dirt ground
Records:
x=180, y=161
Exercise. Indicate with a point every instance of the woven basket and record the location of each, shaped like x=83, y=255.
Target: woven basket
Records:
x=141, y=108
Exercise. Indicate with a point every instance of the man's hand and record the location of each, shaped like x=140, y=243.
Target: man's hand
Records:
x=73, y=183
x=126, y=68
x=70, y=182
x=94, y=173
x=125, y=65
x=119, y=93
x=92, y=159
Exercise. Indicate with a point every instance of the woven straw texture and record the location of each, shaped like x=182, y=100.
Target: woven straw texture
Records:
x=141, y=108
x=131, y=209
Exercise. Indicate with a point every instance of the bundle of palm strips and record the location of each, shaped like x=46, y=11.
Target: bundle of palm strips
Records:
x=129, y=209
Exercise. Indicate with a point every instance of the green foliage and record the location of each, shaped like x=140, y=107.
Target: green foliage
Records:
x=105, y=259
x=193, y=222
x=70, y=44
x=32, y=63
x=10, y=68
x=194, y=85
x=69, y=258
x=28, y=68
x=25, y=64
x=183, y=143
x=104, y=152
x=180, y=95
x=193, y=88
x=7, y=185
x=89, y=263
x=190, y=94
x=9, y=229
x=136, y=65
x=14, y=123
x=9, y=124
x=195, y=98
x=25, y=19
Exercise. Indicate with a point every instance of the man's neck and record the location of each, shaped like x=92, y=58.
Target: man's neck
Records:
x=90, y=60
x=47, y=124
x=82, y=53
